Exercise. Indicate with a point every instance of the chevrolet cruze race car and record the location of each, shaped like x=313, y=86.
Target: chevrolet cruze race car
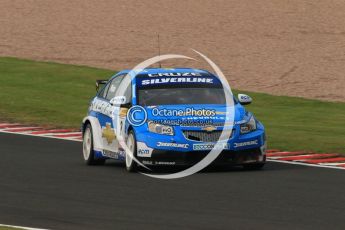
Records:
x=169, y=117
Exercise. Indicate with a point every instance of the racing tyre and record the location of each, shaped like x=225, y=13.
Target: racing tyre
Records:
x=131, y=165
x=88, y=153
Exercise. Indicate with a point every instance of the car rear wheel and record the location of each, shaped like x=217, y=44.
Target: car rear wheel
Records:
x=88, y=153
x=131, y=165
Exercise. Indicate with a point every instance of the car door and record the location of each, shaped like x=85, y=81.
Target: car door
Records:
x=107, y=119
x=120, y=111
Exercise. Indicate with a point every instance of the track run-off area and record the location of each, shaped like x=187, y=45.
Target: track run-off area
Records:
x=45, y=184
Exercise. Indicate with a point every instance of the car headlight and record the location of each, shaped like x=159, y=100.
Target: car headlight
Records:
x=160, y=129
x=249, y=126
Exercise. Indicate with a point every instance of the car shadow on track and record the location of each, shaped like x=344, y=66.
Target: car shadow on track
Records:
x=270, y=166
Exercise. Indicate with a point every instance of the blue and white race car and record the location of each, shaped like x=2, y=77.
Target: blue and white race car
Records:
x=169, y=117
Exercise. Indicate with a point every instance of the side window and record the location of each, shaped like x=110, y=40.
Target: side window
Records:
x=113, y=86
x=125, y=89
x=128, y=94
x=104, y=91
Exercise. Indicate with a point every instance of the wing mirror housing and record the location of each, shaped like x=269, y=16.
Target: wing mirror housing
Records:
x=244, y=99
x=118, y=100
x=99, y=83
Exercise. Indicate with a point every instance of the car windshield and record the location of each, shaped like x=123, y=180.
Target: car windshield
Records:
x=179, y=96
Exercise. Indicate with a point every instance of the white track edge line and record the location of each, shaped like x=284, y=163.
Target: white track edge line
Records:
x=331, y=164
x=33, y=128
x=49, y=134
x=33, y=135
x=21, y=227
x=277, y=158
x=305, y=164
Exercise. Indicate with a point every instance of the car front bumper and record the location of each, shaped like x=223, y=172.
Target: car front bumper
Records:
x=239, y=149
x=226, y=157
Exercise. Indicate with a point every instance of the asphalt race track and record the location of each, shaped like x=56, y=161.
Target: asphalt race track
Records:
x=45, y=184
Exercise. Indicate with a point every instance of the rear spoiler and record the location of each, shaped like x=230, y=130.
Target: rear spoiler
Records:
x=100, y=82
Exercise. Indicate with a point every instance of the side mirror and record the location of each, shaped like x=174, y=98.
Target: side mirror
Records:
x=244, y=99
x=118, y=100
x=99, y=83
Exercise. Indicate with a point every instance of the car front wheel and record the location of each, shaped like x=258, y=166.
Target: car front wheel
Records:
x=131, y=165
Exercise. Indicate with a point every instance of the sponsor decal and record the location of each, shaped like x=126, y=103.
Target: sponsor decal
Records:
x=165, y=163
x=144, y=153
x=118, y=100
x=209, y=146
x=177, y=80
x=102, y=107
x=158, y=162
x=173, y=145
x=167, y=130
x=175, y=75
x=247, y=143
x=143, y=150
x=244, y=97
x=108, y=133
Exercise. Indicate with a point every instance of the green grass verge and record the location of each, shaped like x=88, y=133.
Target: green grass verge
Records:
x=57, y=95
x=46, y=93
